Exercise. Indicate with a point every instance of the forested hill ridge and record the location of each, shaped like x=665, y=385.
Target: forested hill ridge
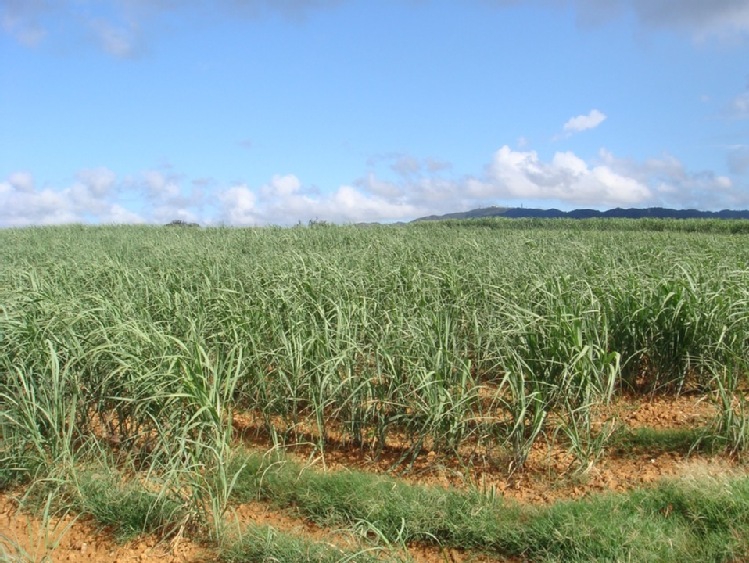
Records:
x=631, y=213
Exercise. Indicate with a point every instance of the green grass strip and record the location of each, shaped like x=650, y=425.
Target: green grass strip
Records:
x=694, y=520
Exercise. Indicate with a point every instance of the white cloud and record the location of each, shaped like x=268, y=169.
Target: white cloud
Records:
x=44, y=207
x=284, y=200
x=119, y=215
x=350, y=204
x=90, y=198
x=99, y=181
x=160, y=186
x=374, y=185
x=238, y=206
x=98, y=196
x=583, y=122
x=679, y=187
x=21, y=181
x=523, y=176
x=282, y=186
x=165, y=199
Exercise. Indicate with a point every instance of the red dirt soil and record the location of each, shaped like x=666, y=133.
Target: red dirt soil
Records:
x=69, y=539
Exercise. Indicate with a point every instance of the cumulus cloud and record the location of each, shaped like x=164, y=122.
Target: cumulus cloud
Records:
x=99, y=181
x=160, y=186
x=97, y=195
x=94, y=196
x=284, y=200
x=522, y=175
x=86, y=200
x=583, y=122
x=165, y=196
x=119, y=215
x=379, y=187
x=21, y=181
x=282, y=186
x=238, y=206
x=674, y=185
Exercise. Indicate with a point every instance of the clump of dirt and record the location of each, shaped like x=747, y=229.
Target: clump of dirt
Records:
x=659, y=412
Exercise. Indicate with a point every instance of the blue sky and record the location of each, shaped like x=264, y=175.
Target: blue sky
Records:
x=253, y=112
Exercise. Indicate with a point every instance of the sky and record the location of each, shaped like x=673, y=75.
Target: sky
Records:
x=275, y=112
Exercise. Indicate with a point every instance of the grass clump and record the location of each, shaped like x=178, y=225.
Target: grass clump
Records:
x=125, y=506
x=263, y=543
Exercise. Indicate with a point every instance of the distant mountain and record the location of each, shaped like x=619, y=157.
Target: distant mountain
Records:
x=631, y=213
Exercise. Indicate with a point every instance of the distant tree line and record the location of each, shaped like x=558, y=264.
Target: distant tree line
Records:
x=181, y=223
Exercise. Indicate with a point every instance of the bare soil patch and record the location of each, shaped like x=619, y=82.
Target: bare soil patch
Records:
x=66, y=538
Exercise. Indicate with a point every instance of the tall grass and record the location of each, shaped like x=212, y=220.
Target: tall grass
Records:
x=144, y=341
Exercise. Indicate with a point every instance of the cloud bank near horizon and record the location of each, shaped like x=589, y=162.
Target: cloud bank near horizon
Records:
x=418, y=187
